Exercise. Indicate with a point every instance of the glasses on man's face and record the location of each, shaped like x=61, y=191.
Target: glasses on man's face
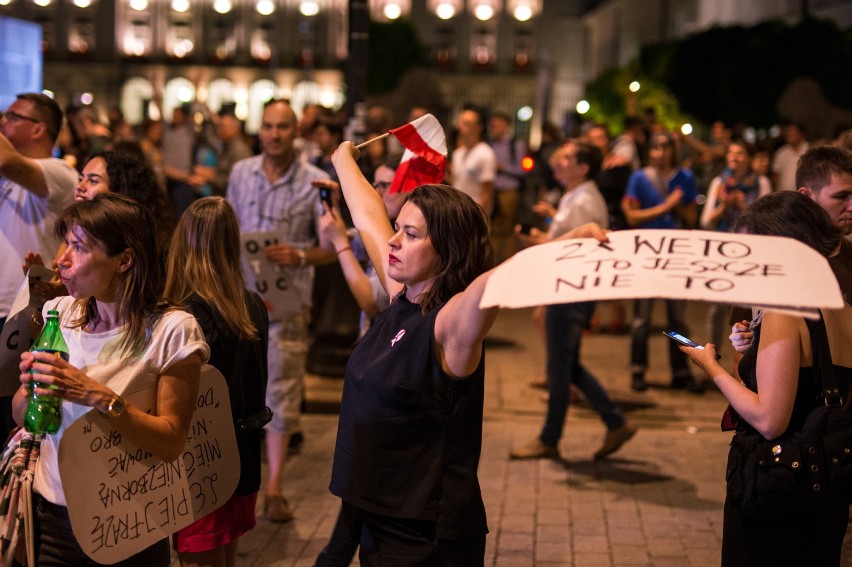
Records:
x=10, y=115
x=381, y=185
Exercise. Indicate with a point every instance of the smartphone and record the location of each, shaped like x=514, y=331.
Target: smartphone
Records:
x=325, y=195
x=526, y=228
x=675, y=336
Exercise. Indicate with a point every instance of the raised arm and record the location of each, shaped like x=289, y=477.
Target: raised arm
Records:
x=368, y=212
x=334, y=234
x=24, y=171
x=462, y=324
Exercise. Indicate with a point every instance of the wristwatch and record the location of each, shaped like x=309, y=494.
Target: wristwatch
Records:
x=303, y=257
x=116, y=406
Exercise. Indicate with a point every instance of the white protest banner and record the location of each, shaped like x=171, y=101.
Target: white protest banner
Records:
x=269, y=280
x=121, y=499
x=761, y=271
x=20, y=330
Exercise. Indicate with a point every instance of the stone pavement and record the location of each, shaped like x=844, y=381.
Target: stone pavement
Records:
x=656, y=502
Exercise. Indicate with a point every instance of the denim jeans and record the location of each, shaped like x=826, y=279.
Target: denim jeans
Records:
x=675, y=311
x=564, y=327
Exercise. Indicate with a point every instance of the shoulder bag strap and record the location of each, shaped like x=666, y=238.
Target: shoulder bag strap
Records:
x=822, y=360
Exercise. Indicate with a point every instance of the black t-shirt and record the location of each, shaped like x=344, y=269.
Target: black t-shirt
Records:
x=409, y=435
x=243, y=364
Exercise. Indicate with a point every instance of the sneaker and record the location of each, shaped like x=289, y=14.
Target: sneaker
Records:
x=535, y=449
x=637, y=383
x=277, y=509
x=614, y=439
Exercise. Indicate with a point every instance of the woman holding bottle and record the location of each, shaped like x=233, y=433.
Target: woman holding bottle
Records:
x=122, y=337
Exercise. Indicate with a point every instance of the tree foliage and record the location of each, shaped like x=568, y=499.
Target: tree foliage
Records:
x=608, y=99
x=393, y=49
x=737, y=73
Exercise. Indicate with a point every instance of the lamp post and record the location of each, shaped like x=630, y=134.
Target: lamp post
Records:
x=356, y=64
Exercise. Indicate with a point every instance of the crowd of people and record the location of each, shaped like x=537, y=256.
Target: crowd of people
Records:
x=143, y=230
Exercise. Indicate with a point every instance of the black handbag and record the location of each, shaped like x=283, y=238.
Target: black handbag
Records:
x=794, y=474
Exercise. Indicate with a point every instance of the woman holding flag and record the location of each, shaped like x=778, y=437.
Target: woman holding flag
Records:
x=410, y=429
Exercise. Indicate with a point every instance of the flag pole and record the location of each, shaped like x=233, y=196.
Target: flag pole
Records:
x=371, y=140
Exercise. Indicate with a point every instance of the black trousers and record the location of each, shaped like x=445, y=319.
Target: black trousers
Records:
x=407, y=543
x=56, y=545
x=814, y=540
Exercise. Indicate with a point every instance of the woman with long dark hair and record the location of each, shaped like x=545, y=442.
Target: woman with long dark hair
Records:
x=410, y=429
x=780, y=387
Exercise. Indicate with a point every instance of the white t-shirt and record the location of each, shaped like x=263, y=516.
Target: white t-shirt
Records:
x=473, y=167
x=26, y=223
x=577, y=207
x=625, y=147
x=784, y=165
x=175, y=336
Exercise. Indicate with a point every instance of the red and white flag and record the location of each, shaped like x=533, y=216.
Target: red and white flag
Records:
x=425, y=158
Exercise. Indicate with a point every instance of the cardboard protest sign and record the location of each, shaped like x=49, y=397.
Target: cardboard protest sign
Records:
x=760, y=271
x=121, y=499
x=272, y=282
x=21, y=329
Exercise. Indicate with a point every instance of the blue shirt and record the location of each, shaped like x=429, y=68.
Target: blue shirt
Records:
x=642, y=189
x=290, y=206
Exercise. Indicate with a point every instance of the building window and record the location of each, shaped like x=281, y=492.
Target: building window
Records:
x=259, y=93
x=483, y=50
x=136, y=95
x=178, y=91
x=81, y=36
x=219, y=93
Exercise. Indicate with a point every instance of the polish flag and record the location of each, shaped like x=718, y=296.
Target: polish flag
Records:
x=425, y=156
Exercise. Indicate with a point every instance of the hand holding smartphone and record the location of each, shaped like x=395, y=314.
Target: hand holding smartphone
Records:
x=677, y=337
x=325, y=195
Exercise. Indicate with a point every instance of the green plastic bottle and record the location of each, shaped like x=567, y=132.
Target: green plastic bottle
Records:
x=44, y=413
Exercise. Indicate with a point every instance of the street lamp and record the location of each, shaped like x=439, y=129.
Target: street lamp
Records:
x=389, y=9
x=524, y=10
x=265, y=7
x=484, y=10
x=222, y=6
x=634, y=86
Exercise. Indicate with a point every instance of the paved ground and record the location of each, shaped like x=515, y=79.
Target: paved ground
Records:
x=656, y=502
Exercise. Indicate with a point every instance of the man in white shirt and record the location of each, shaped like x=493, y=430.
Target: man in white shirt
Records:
x=575, y=166
x=34, y=189
x=474, y=165
x=274, y=191
x=787, y=158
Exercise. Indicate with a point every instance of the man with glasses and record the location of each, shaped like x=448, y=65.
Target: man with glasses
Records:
x=274, y=191
x=34, y=189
